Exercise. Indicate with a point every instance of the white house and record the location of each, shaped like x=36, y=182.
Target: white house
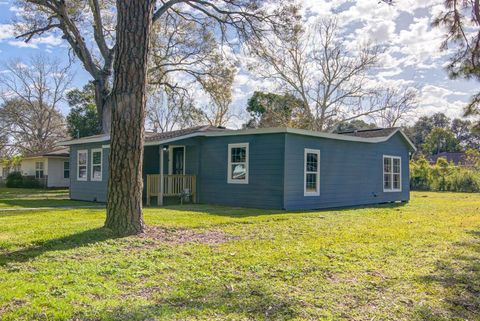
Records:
x=52, y=169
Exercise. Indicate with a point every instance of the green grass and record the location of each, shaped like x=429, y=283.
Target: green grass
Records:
x=419, y=261
x=17, y=198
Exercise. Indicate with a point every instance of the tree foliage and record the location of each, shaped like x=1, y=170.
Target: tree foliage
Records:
x=274, y=110
x=31, y=92
x=82, y=119
x=440, y=140
x=461, y=20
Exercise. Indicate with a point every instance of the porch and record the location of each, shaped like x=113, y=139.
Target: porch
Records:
x=170, y=171
x=160, y=186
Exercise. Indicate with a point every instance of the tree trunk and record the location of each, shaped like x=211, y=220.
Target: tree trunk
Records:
x=104, y=110
x=125, y=185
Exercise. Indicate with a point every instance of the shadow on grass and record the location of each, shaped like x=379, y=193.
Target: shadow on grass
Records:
x=240, y=212
x=59, y=244
x=254, y=302
x=459, y=276
x=39, y=203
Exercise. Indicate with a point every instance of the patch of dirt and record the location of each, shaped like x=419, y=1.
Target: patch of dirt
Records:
x=183, y=236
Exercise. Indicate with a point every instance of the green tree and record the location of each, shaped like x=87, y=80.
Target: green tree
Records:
x=82, y=120
x=461, y=21
x=440, y=140
x=274, y=110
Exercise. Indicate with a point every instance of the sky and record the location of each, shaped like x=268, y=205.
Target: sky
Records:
x=412, y=55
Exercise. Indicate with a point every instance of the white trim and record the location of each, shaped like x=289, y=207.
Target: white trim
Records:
x=92, y=151
x=230, y=180
x=82, y=151
x=170, y=159
x=105, y=146
x=317, y=152
x=390, y=190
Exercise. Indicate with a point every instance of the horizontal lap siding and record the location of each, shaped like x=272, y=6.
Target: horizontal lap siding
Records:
x=266, y=166
x=88, y=190
x=351, y=173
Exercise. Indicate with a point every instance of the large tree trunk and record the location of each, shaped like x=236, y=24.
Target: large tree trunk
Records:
x=125, y=185
x=104, y=110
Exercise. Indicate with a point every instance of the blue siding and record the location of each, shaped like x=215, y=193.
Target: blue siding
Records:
x=88, y=190
x=351, y=173
x=266, y=165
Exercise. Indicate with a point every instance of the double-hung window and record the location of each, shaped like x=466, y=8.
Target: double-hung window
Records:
x=96, y=165
x=238, y=163
x=66, y=169
x=39, y=170
x=312, y=173
x=82, y=165
x=392, y=174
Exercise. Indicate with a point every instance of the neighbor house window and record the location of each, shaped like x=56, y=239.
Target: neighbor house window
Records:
x=96, y=171
x=392, y=174
x=82, y=165
x=66, y=169
x=5, y=172
x=39, y=170
x=238, y=163
x=312, y=172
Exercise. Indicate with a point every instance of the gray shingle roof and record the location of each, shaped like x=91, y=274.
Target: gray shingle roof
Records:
x=150, y=137
x=371, y=133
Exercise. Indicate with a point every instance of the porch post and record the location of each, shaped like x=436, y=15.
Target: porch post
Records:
x=160, y=189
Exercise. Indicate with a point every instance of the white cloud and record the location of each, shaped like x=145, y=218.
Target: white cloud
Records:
x=6, y=31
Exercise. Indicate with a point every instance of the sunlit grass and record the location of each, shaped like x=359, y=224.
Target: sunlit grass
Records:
x=418, y=261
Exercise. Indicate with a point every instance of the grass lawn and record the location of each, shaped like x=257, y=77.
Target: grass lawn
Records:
x=15, y=198
x=419, y=261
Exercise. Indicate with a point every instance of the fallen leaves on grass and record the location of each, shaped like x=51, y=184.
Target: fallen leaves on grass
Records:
x=182, y=236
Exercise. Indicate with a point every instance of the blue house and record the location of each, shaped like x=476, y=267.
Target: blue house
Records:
x=279, y=168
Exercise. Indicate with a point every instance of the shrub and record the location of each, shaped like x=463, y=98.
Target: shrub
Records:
x=464, y=181
x=443, y=176
x=14, y=179
x=30, y=182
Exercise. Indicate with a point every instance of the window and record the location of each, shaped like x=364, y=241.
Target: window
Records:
x=39, y=170
x=312, y=173
x=96, y=171
x=82, y=165
x=238, y=163
x=392, y=174
x=66, y=169
x=5, y=171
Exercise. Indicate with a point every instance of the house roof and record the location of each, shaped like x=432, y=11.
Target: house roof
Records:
x=371, y=133
x=209, y=131
x=458, y=158
x=59, y=152
x=152, y=137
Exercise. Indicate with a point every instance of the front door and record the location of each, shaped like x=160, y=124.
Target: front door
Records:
x=178, y=157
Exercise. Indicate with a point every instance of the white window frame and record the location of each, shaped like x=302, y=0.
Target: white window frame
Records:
x=317, y=152
x=230, y=180
x=96, y=150
x=83, y=151
x=389, y=190
x=42, y=169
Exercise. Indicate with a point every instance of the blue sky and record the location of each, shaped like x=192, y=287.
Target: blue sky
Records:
x=412, y=56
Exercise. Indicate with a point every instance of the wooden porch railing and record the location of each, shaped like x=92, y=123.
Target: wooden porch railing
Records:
x=173, y=185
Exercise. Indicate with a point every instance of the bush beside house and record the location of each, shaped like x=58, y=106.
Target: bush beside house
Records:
x=17, y=180
x=444, y=176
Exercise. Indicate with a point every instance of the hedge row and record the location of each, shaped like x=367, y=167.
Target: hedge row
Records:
x=15, y=179
x=443, y=176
